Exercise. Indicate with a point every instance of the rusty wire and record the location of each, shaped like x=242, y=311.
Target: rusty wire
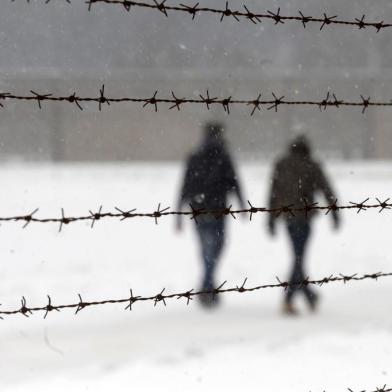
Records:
x=381, y=389
x=194, y=213
x=244, y=14
x=174, y=102
x=189, y=295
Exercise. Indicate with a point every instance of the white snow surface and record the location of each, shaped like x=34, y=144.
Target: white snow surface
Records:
x=246, y=344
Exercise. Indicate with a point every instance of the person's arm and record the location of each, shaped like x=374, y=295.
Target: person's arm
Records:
x=234, y=183
x=184, y=194
x=273, y=199
x=329, y=194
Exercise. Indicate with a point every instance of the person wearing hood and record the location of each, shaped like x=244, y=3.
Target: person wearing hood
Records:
x=209, y=179
x=296, y=179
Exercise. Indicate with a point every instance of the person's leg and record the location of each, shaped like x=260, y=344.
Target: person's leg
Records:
x=215, y=246
x=203, y=233
x=299, y=234
x=211, y=234
x=218, y=235
x=309, y=293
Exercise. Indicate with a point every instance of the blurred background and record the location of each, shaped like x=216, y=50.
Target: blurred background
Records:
x=129, y=157
x=62, y=48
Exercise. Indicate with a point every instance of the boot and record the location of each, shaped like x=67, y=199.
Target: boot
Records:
x=313, y=303
x=208, y=300
x=289, y=309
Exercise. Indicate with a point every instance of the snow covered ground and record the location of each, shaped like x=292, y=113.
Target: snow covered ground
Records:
x=246, y=344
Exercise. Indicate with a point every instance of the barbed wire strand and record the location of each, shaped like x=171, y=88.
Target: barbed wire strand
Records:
x=189, y=295
x=194, y=213
x=245, y=14
x=381, y=389
x=174, y=102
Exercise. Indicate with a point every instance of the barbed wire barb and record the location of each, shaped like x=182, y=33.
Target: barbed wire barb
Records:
x=360, y=206
x=242, y=289
x=161, y=7
x=208, y=100
x=379, y=26
x=365, y=103
x=195, y=213
x=333, y=207
x=95, y=216
x=327, y=20
x=256, y=103
x=81, y=304
x=285, y=285
x=24, y=309
x=383, y=205
x=252, y=210
x=29, y=217
x=40, y=97
x=63, y=220
x=276, y=103
x=152, y=101
x=191, y=9
x=227, y=12
x=158, y=213
x=276, y=16
x=309, y=207
x=74, y=99
x=127, y=5
x=132, y=299
x=50, y=307
x=251, y=16
x=361, y=22
x=159, y=298
x=216, y=291
x=125, y=214
x=304, y=19
x=178, y=102
x=187, y=295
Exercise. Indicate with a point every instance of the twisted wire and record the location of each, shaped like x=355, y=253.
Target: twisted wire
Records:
x=380, y=389
x=175, y=102
x=188, y=295
x=241, y=15
x=194, y=213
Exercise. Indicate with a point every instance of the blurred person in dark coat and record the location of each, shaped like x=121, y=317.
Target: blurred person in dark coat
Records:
x=296, y=179
x=209, y=179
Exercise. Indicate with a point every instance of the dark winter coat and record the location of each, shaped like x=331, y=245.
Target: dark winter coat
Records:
x=296, y=179
x=209, y=178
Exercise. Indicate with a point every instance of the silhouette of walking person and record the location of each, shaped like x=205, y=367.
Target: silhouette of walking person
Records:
x=296, y=179
x=209, y=178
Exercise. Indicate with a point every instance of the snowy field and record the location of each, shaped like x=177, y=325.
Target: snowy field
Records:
x=245, y=345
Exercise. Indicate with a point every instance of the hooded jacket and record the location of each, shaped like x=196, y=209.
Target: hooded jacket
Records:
x=209, y=177
x=296, y=180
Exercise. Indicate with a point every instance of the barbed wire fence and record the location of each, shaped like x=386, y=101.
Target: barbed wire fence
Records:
x=330, y=100
x=194, y=213
x=381, y=389
x=174, y=102
x=245, y=14
x=188, y=295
